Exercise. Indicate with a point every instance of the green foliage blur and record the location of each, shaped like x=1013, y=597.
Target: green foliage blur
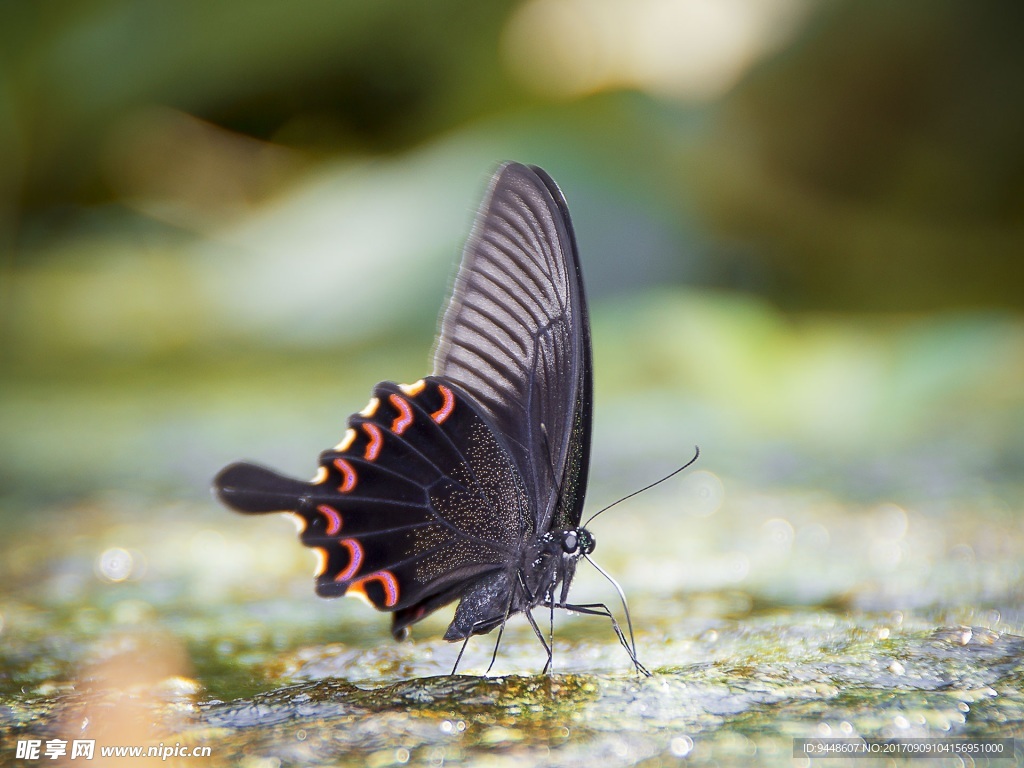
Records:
x=206, y=207
x=801, y=226
x=867, y=156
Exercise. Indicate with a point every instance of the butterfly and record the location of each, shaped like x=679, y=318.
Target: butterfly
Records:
x=469, y=484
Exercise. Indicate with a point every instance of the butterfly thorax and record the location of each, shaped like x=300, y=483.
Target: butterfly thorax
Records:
x=552, y=563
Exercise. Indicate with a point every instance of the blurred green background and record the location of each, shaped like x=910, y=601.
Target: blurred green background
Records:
x=802, y=225
x=802, y=229
x=808, y=217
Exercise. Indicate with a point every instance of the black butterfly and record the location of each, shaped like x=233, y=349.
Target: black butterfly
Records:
x=468, y=484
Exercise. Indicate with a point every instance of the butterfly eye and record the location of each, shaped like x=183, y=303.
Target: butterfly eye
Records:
x=587, y=542
x=570, y=541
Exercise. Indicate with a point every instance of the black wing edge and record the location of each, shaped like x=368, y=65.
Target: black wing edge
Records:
x=256, y=490
x=570, y=509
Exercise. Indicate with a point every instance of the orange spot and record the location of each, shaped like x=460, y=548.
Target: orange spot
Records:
x=376, y=440
x=350, y=475
x=442, y=413
x=355, y=553
x=386, y=579
x=333, y=519
x=404, y=418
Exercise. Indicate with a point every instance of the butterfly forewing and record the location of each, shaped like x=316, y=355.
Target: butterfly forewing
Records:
x=516, y=337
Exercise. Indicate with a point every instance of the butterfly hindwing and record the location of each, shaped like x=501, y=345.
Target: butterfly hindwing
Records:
x=419, y=500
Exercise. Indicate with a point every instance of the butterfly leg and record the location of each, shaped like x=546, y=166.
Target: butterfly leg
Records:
x=600, y=609
x=494, y=653
x=462, y=650
x=551, y=632
x=540, y=636
x=501, y=628
x=532, y=600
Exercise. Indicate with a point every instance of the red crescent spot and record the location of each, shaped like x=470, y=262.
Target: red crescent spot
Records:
x=350, y=475
x=442, y=413
x=355, y=553
x=373, y=447
x=333, y=519
x=404, y=418
x=386, y=580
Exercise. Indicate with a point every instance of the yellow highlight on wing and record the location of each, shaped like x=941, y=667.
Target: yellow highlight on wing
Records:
x=346, y=441
x=413, y=389
x=370, y=409
x=357, y=591
x=321, y=560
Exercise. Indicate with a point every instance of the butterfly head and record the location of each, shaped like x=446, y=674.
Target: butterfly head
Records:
x=555, y=562
x=578, y=541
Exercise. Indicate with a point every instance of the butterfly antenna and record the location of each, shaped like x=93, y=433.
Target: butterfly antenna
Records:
x=673, y=473
x=622, y=598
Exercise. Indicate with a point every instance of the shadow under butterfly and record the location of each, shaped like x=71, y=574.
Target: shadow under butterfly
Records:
x=468, y=484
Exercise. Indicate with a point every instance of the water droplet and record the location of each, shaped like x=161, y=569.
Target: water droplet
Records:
x=703, y=493
x=115, y=564
x=681, y=746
